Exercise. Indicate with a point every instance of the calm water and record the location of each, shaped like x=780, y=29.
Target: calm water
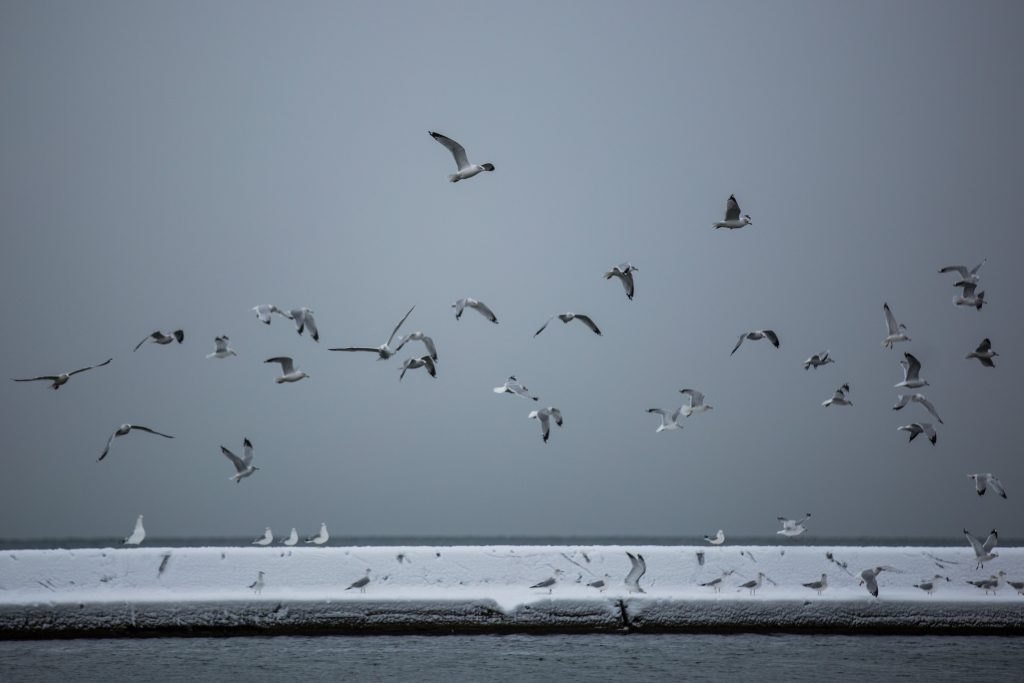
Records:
x=521, y=658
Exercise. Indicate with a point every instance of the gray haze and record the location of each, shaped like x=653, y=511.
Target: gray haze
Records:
x=169, y=165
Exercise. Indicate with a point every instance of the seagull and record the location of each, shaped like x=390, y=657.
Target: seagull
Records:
x=62, y=379
x=839, y=398
x=566, y=317
x=243, y=465
x=966, y=276
x=266, y=539
x=138, y=534
x=983, y=481
x=637, y=568
x=911, y=368
x=263, y=312
x=600, y=584
x=896, y=332
x=696, y=402
x=716, y=584
x=752, y=586
x=732, y=216
x=288, y=371
x=916, y=428
x=384, y=351
x=421, y=362
x=304, y=321
x=292, y=539
x=544, y=415
x=717, y=539
x=983, y=551
x=668, y=422
x=793, y=527
x=817, y=360
x=989, y=584
x=222, y=349
x=969, y=298
x=478, y=306
x=1017, y=586
x=465, y=169
x=321, y=537
x=360, y=583
x=818, y=586
x=124, y=429
x=928, y=585
x=983, y=353
x=512, y=386
x=547, y=583
x=868, y=579
x=904, y=399
x=756, y=335
x=419, y=336
x=623, y=271
x=258, y=584
x=159, y=337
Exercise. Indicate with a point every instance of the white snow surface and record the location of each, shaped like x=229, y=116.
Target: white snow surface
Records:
x=484, y=588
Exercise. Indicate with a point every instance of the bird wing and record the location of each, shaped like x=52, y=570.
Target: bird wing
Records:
x=588, y=322
x=458, y=305
x=359, y=348
x=696, y=398
x=912, y=367
x=990, y=542
x=429, y=363
x=732, y=209
x=772, y=337
x=545, y=423
x=890, y=320
x=235, y=460
x=220, y=344
x=984, y=346
x=457, y=150
x=263, y=313
x=659, y=411
x=627, y=282
x=960, y=269
x=742, y=337
x=542, y=327
x=98, y=365
x=997, y=486
x=107, y=448
x=557, y=414
x=918, y=398
x=310, y=323
x=483, y=310
x=637, y=569
x=50, y=378
x=395, y=331
x=154, y=335
x=287, y=366
x=902, y=401
x=246, y=452
x=152, y=431
x=969, y=288
x=429, y=343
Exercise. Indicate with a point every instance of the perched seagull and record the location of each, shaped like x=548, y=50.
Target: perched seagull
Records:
x=895, y=332
x=732, y=216
x=916, y=428
x=756, y=335
x=928, y=585
x=243, y=465
x=478, y=306
x=258, y=584
x=717, y=539
x=465, y=169
x=544, y=415
x=263, y=312
x=716, y=584
x=793, y=527
x=637, y=568
x=989, y=584
x=983, y=481
x=419, y=336
x=159, y=337
x=360, y=583
x=868, y=579
x=548, y=582
x=292, y=539
x=138, y=534
x=966, y=276
x=600, y=584
x=983, y=551
x=969, y=298
x=124, y=429
x=818, y=586
x=512, y=386
x=566, y=317
x=288, y=371
x=839, y=398
x=1017, y=586
x=911, y=369
x=752, y=586
x=983, y=353
x=222, y=350
x=62, y=379
x=696, y=402
x=421, y=362
x=817, y=360
x=266, y=539
x=903, y=399
x=384, y=351
x=304, y=321
x=321, y=537
x=668, y=421
x=623, y=271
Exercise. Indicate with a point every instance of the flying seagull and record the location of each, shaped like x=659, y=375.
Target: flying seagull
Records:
x=566, y=317
x=895, y=332
x=243, y=465
x=159, y=337
x=819, y=585
x=637, y=568
x=756, y=335
x=903, y=399
x=266, y=539
x=263, y=312
x=321, y=537
x=465, y=169
x=868, y=579
x=928, y=585
x=752, y=586
x=696, y=404
x=124, y=429
x=969, y=298
x=292, y=539
x=138, y=534
x=544, y=415
x=360, y=583
x=478, y=306
x=917, y=428
x=966, y=276
x=983, y=353
x=304, y=322
x=288, y=371
x=839, y=398
x=982, y=482
x=668, y=421
x=421, y=362
x=384, y=351
x=717, y=539
x=60, y=380
x=221, y=348
x=419, y=336
x=911, y=371
x=732, y=216
x=817, y=360
x=983, y=551
x=258, y=584
x=793, y=527
x=512, y=386
x=623, y=271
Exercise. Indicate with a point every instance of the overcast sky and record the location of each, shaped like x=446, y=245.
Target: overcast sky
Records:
x=172, y=164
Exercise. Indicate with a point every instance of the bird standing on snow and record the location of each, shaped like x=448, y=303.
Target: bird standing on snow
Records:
x=361, y=583
x=752, y=586
x=896, y=332
x=159, y=337
x=288, y=371
x=623, y=271
x=717, y=539
x=928, y=585
x=478, y=306
x=983, y=481
x=732, y=216
x=62, y=379
x=566, y=317
x=465, y=169
x=124, y=429
x=258, y=584
x=243, y=465
x=266, y=539
x=292, y=539
x=819, y=585
x=545, y=415
x=755, y=336
x=221, y=348
x=138, y=534
x=983, y=353
x=384, y=351
x=839, y=398
x=321, y=537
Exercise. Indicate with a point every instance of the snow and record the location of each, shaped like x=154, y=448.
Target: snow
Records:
x=486, y=588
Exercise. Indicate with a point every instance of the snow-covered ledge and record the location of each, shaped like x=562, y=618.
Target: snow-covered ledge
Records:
x=135, y=591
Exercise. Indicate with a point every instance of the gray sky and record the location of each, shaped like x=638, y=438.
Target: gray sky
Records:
x=170, y=165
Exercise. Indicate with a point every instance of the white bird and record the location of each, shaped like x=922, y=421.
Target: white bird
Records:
x=732, y=216
x=566, y=317
x=465, y=169
x=258, y=584
x=304, y=322
x=512, y=386
x=752, y=586
x=419, y=336
x=755, y=336
x=221, y=350
x=894, y=332
x=983, y=353
x=384, y=351
x=292, y=539
x=819, y=585
x=793, y=527
x=544, y=415
x=983, y=481
x=983, y=551
x=322, y=537
x=637, y=568
x=243, y=465
x=360, y=583
x=60, y=380
x=421, y=362
x=124, y=429
x=263, y=312
x=696, y=404
x=478, y=306
x=903, y=399
x=969, y=298
x=839, y=398
x=817, y=360
x=911, y=369
x=1017, y=586
x=917, y=428
x=159, y=337
x=966, y=275
x=138, y=534
x=989, y=584
x=928, y=585
x=717, y=539
x=288, y=371
x=868, y=579
x=623, y=271
x=668, y=421
x=716, y=584
x=266, y=539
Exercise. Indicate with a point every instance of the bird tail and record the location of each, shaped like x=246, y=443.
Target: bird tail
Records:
x=179, y=335
x=488, y=167
x=454, y=178
x=979, y=300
